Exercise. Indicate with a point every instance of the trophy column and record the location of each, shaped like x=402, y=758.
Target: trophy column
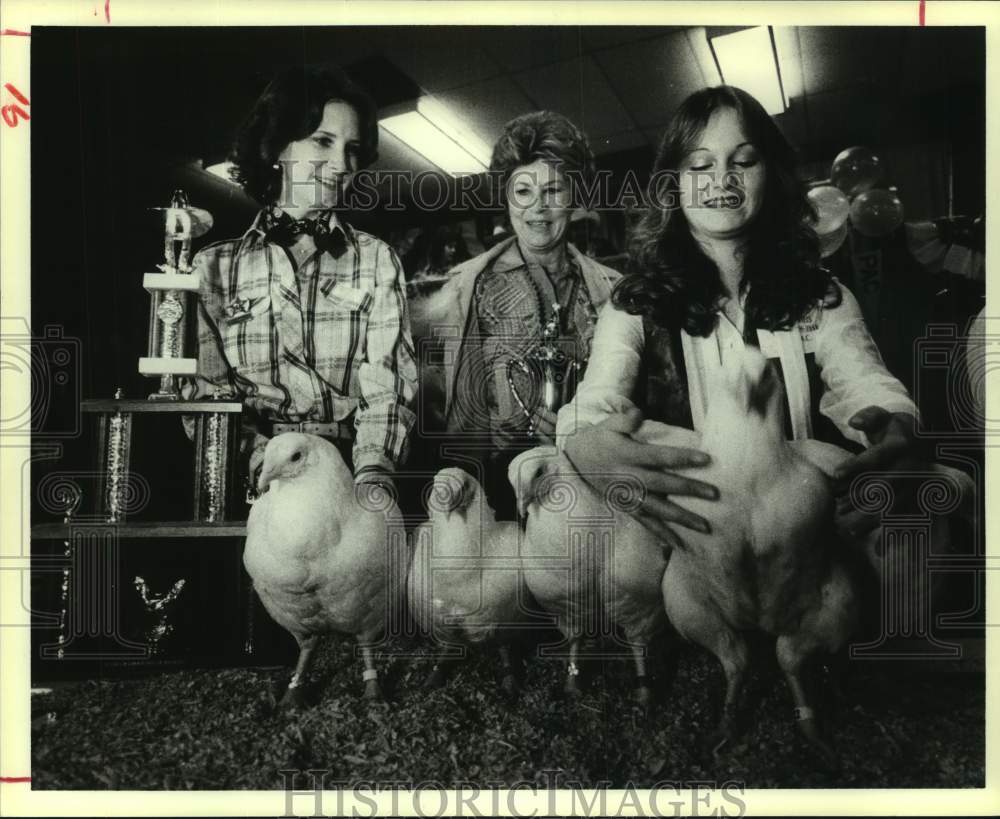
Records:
x=172, y=292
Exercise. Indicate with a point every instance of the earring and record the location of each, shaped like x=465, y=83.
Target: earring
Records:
x=276, y=166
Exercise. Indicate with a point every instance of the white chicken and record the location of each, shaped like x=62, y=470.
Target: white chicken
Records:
x=587, y=560
x=322, y=558
x=770, y=562
x=465, y=585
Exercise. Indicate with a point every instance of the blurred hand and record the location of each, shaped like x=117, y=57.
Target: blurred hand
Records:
x=892, y=444
x=604, y=452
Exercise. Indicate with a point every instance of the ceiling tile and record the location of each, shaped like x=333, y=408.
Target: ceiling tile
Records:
x=487, y=106
x=652, y=77
x=517, y=48
x=596, y=38
x=440, y=59
x=841, y=57
x=578, y=89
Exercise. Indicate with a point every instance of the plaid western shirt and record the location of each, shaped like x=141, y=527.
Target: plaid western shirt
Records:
x=318, y=343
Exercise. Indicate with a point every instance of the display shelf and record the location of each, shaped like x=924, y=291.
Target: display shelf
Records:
x=144, y=529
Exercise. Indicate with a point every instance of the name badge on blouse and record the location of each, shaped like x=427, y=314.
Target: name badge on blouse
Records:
x=807, y=332
x=237, y=310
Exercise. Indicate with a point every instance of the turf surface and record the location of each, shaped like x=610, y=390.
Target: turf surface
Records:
x=221, y=729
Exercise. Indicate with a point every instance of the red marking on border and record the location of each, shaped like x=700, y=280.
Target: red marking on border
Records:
x=11, y=32
x=13, y=114
x=107, y=10
x=20, y=97
x=15, y=778
x=923, y=5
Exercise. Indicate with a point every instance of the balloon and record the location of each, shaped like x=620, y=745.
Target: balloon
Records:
x=831, y=207
x=876, y=213
x=830, y=243
x=856, y=170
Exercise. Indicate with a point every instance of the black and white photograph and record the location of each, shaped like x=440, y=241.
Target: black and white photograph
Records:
x=591, y=412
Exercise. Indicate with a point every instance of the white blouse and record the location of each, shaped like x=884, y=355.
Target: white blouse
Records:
x=851, y=366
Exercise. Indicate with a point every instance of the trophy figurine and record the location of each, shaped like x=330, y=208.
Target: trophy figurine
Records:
x=158, y=610
x=553, y=371
x=171, y=296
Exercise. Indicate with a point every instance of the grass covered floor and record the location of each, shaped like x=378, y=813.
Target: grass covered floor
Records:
x=220, y=729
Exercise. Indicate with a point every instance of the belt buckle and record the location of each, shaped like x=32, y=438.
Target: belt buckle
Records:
x=328, y=429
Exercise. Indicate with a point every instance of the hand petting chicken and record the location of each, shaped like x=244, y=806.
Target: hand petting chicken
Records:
x=322, y=553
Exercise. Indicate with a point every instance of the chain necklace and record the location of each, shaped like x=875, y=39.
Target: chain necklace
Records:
x=561, y=312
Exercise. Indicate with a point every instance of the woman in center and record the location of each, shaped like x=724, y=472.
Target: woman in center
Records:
x=530, y=291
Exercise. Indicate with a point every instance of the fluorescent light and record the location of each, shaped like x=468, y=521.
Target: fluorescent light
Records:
x=786, y=45
x=435, y=133
x=747, y=60
x=698, y=41
x=441, y=116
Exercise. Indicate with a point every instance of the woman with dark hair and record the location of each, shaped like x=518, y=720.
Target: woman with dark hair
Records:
x=724, y=258
x=446, y=249
x=303, y=317
x=530, y=290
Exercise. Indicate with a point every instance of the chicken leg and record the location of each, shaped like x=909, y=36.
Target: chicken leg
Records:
x=822, y=629
x=643, y=693
x=572, y=686
x=370, y=675
x=294, y=697
x=509, y=680
x=699, y=620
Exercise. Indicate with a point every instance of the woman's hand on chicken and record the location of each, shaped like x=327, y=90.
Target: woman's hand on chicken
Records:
x=602, y=453
x=892, y=439
x=892, y=451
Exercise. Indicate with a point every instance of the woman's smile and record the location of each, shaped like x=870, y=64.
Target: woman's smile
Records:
x=723, y=190
x=539, y=206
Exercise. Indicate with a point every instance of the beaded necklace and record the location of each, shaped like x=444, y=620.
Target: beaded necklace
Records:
x=560, y=311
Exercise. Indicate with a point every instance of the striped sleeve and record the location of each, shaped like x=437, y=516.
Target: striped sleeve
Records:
x=388, y=373
x=214, y=371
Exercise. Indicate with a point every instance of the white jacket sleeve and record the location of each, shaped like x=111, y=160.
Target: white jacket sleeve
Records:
x=853, y=371
x=611, y=374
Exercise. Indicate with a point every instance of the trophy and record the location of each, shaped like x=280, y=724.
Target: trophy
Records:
x=171, y=297
x=553, y=371
x=158, y=610
x=174, y=294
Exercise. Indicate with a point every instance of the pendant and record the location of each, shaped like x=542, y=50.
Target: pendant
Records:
x=237, y=310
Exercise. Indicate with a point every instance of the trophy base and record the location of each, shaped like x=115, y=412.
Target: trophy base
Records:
x=171, y=281
x=168, y=366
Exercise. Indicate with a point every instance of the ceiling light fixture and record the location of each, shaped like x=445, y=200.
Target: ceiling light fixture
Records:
x=435, y=133
x=748, y=59
x=221, y=170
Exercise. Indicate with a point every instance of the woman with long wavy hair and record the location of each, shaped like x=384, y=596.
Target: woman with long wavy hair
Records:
x=724, y=258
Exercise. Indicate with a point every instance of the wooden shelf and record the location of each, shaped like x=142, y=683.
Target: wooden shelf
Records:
x=144, y=529
x=141, y=405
